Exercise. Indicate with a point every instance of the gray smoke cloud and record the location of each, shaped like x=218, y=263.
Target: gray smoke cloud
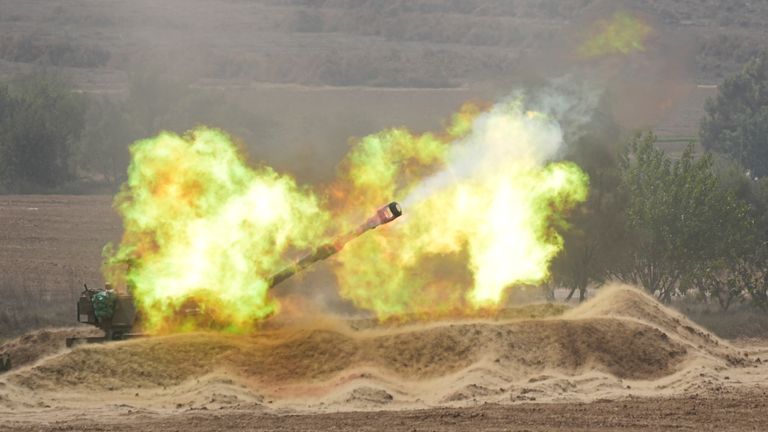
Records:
x=531, y=127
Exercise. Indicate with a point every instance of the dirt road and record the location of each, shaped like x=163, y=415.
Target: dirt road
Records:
x=740, y=411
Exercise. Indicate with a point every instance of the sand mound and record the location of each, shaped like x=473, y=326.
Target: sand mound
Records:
x=622, y=348
x=625, y=302
x=524, y=312
x=35, y=345
x=368, y=395
x=591, y=351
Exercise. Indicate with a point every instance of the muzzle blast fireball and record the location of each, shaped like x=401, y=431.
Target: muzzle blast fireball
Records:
x=204, y=230
x=116, y=315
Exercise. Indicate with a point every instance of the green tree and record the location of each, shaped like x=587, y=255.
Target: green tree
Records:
x=597, y=227
x=108, y=133
x=41, y=120
x=736, y=122
x=738, y=270
x=758, y=258
x=153, y=103
x=679, y=217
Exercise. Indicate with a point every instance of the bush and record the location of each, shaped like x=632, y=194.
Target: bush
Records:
x=41, y=120
x=684, y=225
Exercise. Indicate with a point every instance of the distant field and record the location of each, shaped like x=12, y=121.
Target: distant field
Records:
x=49, y=247
x=423, y=43
x=314, y=76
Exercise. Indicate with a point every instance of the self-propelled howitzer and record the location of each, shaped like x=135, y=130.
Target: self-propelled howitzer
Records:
x=116, y=314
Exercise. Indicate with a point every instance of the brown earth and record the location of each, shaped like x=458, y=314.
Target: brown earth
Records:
x=600, y=366
x=38, y=344
x=49, y=246
x=724, y=412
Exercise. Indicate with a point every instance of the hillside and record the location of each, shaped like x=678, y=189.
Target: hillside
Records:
x=424, y=43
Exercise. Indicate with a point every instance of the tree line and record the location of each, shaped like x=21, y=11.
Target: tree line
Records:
x=689, y=224
x=41, y=121
x=54, y=139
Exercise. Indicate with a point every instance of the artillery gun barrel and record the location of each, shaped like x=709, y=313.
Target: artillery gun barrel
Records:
x=384, y=215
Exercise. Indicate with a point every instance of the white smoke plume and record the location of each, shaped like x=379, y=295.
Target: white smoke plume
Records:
x=513, y=130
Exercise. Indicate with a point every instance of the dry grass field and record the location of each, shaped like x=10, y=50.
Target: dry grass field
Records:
x=49, y=247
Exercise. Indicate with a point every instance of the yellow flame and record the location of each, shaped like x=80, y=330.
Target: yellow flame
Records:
x=200, y=225
x=483, y=207
x=624, y=34
x=484, y=218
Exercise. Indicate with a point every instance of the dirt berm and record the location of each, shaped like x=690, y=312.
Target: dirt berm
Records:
x=622, y=336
